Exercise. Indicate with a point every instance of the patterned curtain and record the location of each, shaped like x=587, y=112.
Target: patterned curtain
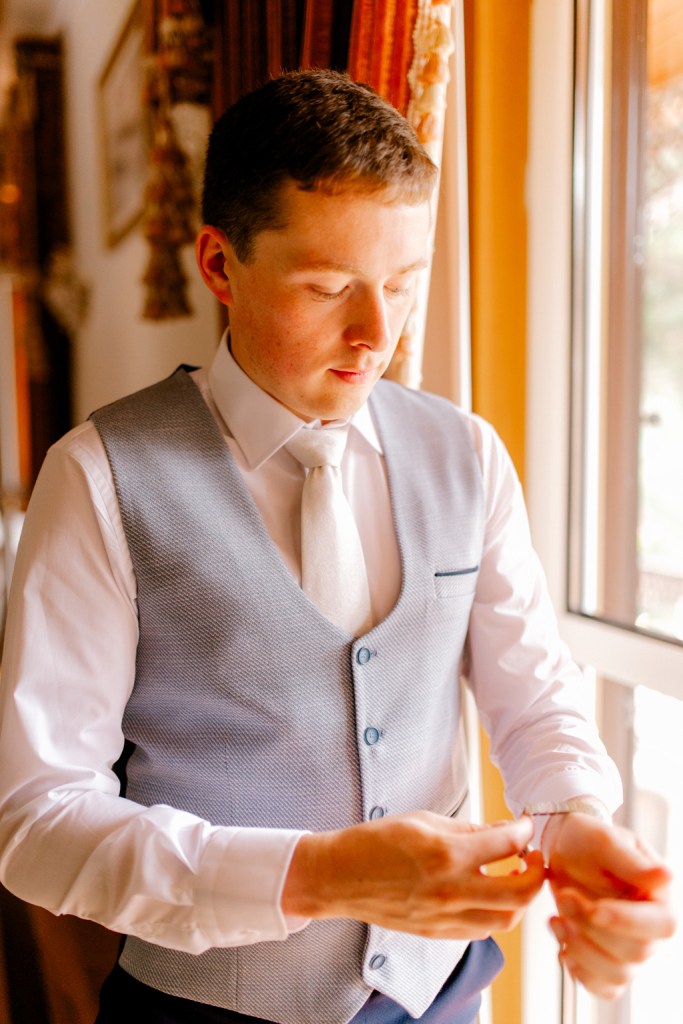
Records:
x=400, y=47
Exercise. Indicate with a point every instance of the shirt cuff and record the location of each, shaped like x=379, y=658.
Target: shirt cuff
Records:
x=542, y=813
x=238, y=892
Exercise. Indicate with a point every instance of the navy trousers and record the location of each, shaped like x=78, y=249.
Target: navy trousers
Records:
x=123, y=997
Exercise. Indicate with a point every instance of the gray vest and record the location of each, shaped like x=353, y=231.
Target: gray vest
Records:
x=250, y=708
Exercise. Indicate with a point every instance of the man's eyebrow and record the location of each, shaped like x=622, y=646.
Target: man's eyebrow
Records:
x=335, y=266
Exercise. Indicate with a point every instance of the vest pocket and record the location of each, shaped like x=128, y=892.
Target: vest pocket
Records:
x=456, y=582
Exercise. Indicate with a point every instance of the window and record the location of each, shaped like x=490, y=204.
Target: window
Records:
x=606, y=408
x=626, y=556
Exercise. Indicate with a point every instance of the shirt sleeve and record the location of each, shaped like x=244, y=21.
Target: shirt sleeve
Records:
x=532, y=699
x=68, y=840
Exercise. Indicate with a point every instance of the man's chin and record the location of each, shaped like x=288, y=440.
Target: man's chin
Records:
x=339, y=402
x=344, y=410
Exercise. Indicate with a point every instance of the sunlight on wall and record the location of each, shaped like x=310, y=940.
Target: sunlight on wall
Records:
x=498, y=45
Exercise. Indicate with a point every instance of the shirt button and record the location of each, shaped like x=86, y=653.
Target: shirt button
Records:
x=371, y=736
x=377, y=812
x=363, y=655
x=377, y=961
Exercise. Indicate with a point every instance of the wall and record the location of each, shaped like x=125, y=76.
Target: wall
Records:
x=116, y=351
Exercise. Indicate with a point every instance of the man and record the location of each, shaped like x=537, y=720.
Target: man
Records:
x=290, y=841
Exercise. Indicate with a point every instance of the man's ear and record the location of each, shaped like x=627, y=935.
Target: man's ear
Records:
x=211, y=249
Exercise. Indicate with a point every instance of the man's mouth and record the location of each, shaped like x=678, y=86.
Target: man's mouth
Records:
x=355, y=376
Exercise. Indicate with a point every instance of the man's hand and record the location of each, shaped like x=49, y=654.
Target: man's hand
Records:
x=419, y=873
x=613, y=901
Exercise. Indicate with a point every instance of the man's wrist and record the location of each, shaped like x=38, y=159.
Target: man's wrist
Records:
x=300, y=896
x=575, y=805
x=549, y=816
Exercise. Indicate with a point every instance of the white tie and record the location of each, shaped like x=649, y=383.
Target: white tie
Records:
x=333, y=572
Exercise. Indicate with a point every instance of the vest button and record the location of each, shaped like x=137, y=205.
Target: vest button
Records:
x=377, y=812
x=377, y=961
x=363, y=655
x=371, y=736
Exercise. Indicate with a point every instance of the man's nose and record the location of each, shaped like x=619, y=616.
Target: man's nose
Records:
x=369, y=323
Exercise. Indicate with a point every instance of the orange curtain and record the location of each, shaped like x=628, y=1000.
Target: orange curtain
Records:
x=381, y=48
x=374, y=40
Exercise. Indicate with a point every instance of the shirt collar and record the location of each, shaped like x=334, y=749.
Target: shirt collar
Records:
x=258, y=422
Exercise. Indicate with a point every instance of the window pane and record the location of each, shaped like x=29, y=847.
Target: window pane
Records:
x=626, y=557
x=658, y=769
x=660, y=512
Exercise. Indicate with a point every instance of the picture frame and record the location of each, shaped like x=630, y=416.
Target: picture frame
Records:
x=123, y=129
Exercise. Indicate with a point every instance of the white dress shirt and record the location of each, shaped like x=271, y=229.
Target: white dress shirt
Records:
x=69, y=842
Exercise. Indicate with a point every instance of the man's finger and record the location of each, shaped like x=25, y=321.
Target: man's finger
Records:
x=641, y=885
x=498, y=842
x=513, y=890
x=597, y=969
x=632, y=867
x=632, y=923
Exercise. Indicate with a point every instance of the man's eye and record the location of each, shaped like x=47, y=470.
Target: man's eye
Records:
x=322, y=296
x=399, y=292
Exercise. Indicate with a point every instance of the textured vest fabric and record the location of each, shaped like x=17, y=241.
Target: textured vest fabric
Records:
x=250, y=708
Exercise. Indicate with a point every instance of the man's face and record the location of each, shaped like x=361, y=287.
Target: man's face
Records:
x=316, y=313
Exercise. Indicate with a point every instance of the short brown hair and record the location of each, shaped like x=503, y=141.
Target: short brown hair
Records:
x=317, y=128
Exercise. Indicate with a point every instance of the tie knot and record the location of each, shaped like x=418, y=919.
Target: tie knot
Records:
x=318, y=447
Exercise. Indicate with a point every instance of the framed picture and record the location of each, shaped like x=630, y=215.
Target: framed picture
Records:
x=123, y=128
